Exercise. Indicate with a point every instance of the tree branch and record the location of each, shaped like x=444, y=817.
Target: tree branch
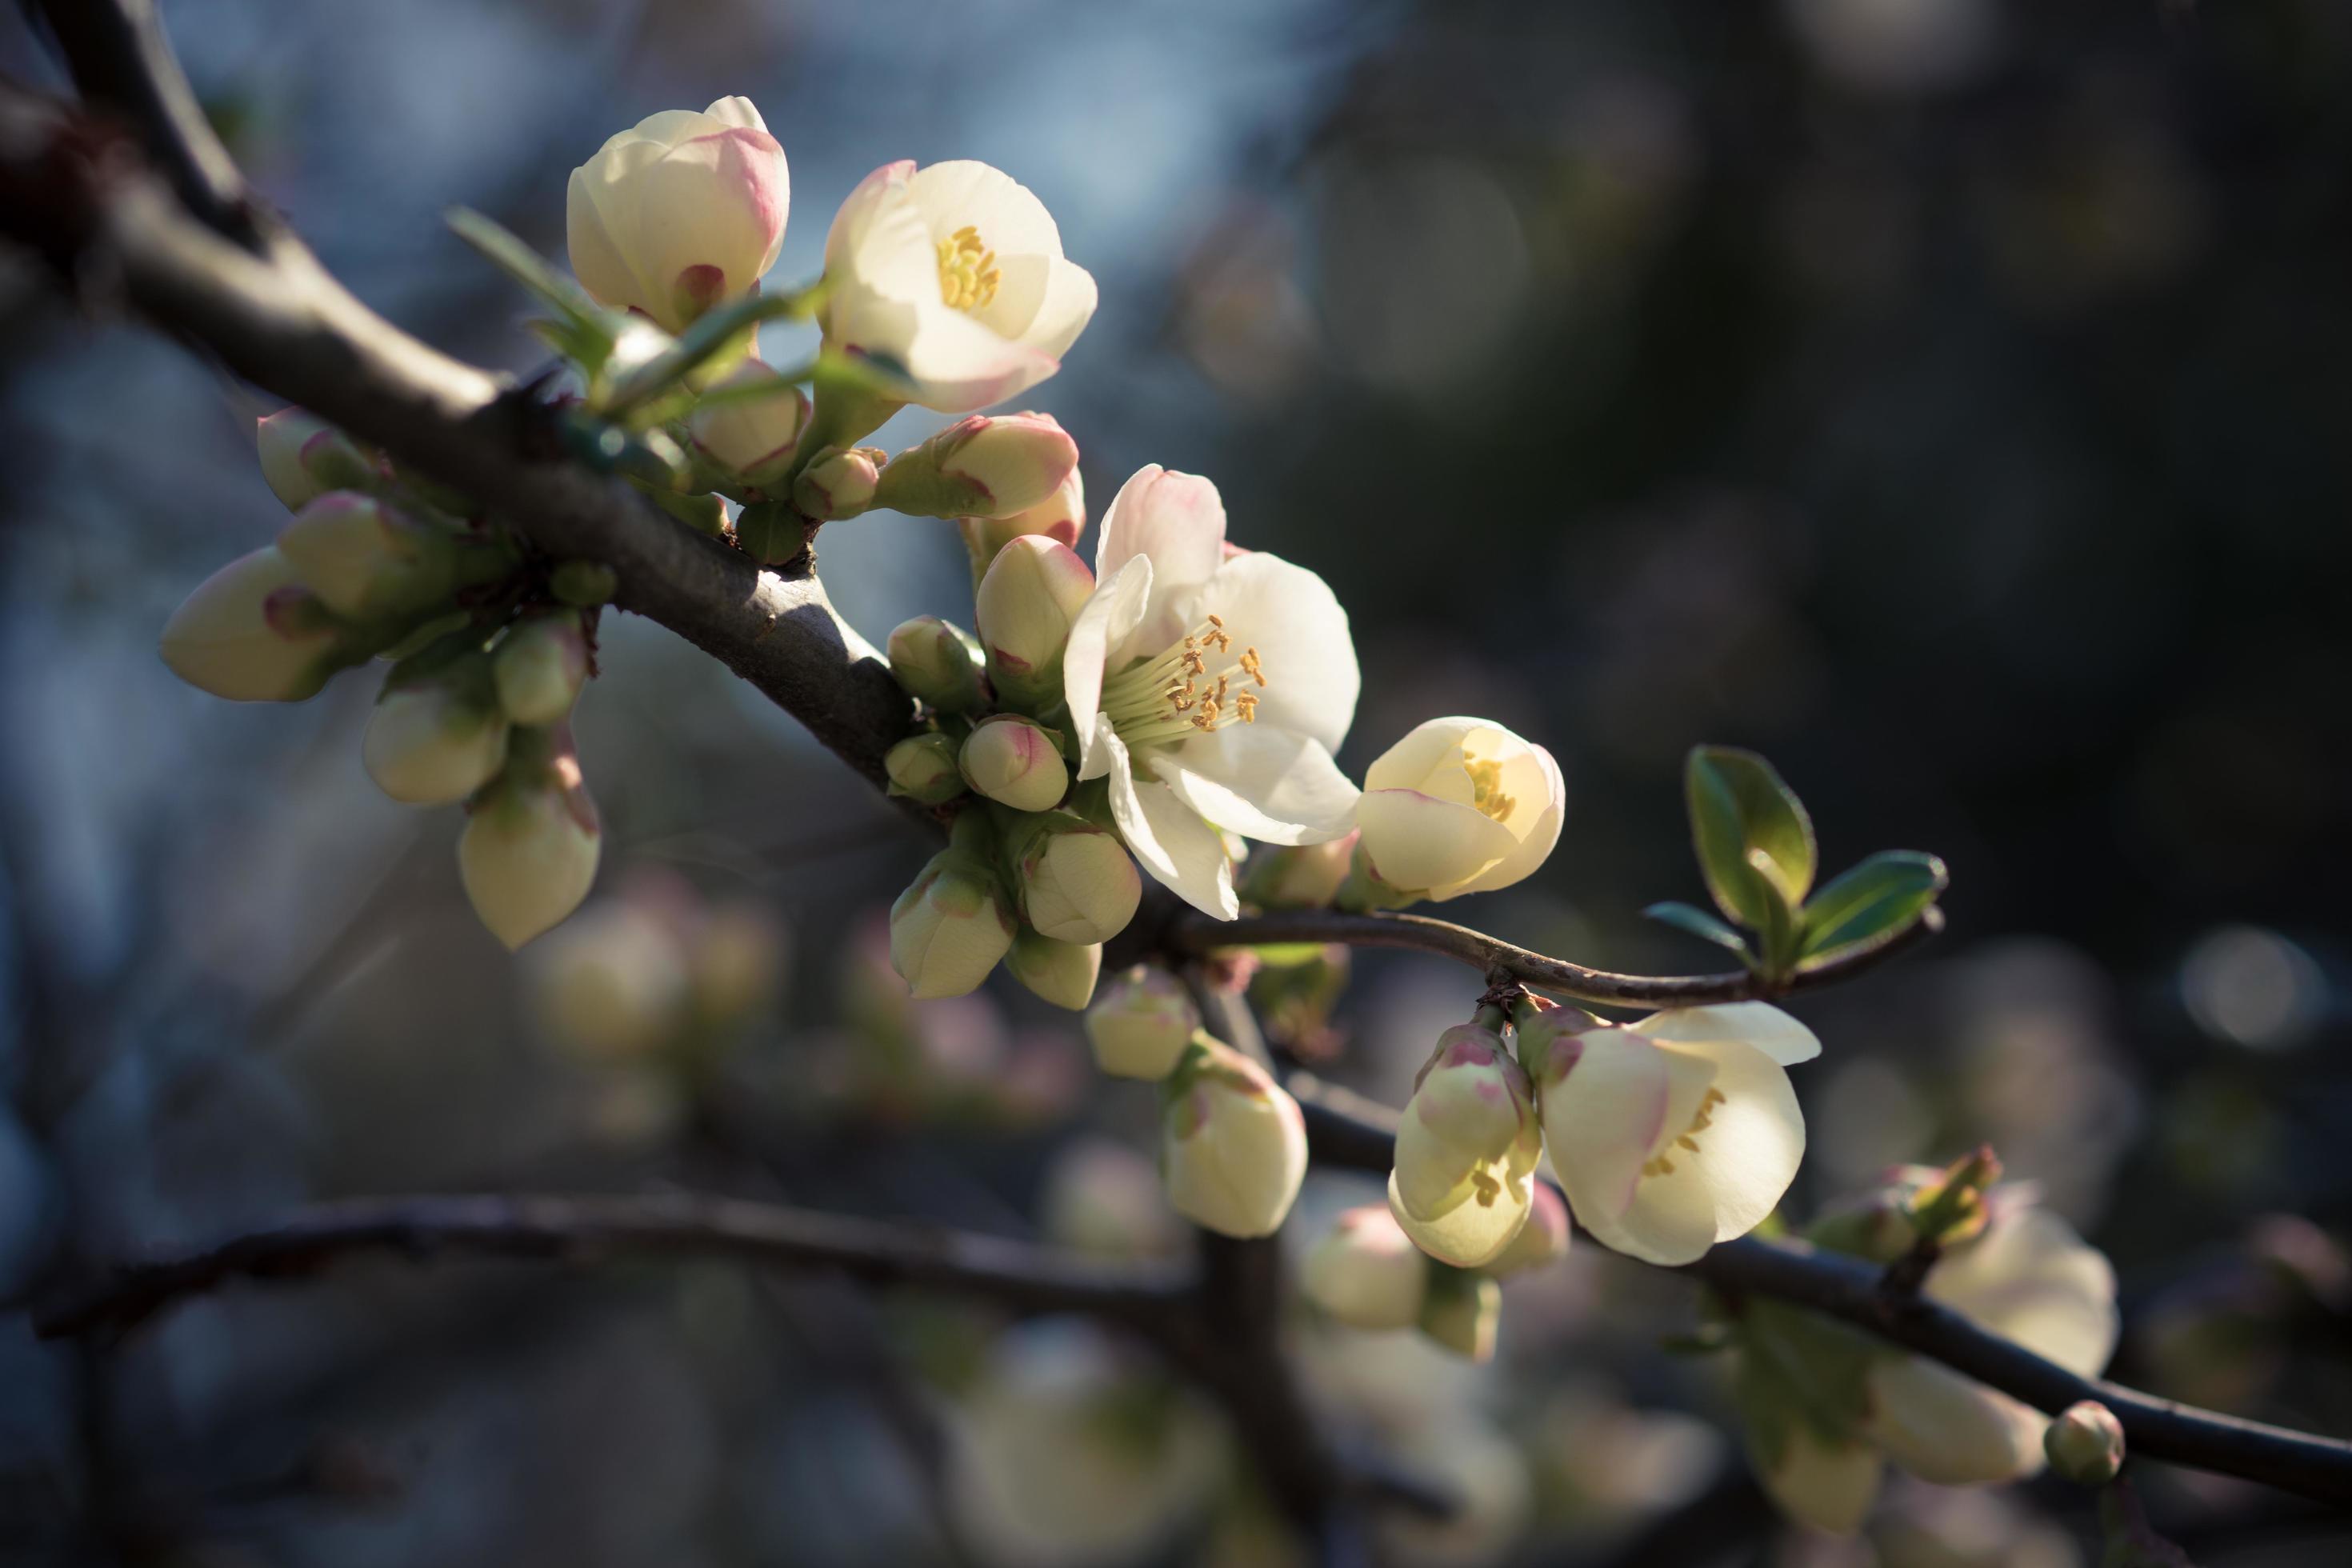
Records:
x=1344, y=1131
x=1028, y=1279
x=1193, y=933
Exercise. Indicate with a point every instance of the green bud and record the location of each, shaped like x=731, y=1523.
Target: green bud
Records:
x=936, y=664
x=540, y=665
x=841, y=482
x=980, y=466
x=1032, y=591
x=252, y=632
x=1013, y=762
x=1076, y=881
x=532, y=839
x=1296, y=877
x=586, y=584
x=770, y=532
x=367, y=560
x=1062, y=973
x=2085, y=1444
x=303, y=458
x=950, y=928
x=923, y=768
x=438, y=738
x=1140, y=1023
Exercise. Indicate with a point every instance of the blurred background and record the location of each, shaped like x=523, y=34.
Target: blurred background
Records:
x=1943, y=396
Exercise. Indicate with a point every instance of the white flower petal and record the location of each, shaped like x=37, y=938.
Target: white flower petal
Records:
x=1262, y=783
x=1529, y=776
x=1417, y=841
x=1467, y=1233
x=1426, y=748
x=877, y=200
x=1601, y=1120
x=964, y=192
x=736, y=111
x=1296, y=623
x=1829, y=1487
x=1178, y=521
x=1169, y=839
x=1949, y=1429
x=2031, y=1278
x=1754, y=1140
x=1063, y=314
x=1103, y=623
x=1758, y=1024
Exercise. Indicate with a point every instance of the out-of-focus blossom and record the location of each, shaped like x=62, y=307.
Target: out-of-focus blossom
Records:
x=1484, y=1474
x=1141, y=1024
x=1233, y=1146
x=1103, y=1198
x=1062, y=973
x=1460, y=806
x=1366, y=1272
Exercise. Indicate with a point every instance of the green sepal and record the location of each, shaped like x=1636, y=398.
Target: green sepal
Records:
x=1877, y=898
x=1697, y=922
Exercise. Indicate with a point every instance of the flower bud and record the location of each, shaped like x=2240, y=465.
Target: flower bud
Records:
x=2085, y=1444
x=1466, y=1150
x=839, y=483
x=1366, y=1272
x=611, y=986
x=950, y=928
x=540, y=665
x=531, y=842
x=1233, y=1146
x=1141, y=1024
x=1103, y=1198
x=923, y=768
x=936, y=664
x=585, y=584
x=680, y=212
x=252, y=632
x=439, y=738
x=303, y=458
x=365, y=559
x=1062, y=973
x=1013, y=762
x=980, y=466
x=1034, y=589
x=1296, y=877
x=1077, y=882
x=748, y=431
x=1543, y=1240
x=737, y=962
x=1060, y=517
x=770, y=532
x=1460, y=806
x=1462, y=1312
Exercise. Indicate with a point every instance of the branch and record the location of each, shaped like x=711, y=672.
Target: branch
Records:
x=1344, y=1131
x=1193, y=933
x=1029, y=1279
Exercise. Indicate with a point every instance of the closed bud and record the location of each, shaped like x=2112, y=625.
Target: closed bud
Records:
x=532, y=840
x=1062, y=973
x=839, y=483
x=2085, y=1444
x=1466, y=1150
x=749, y=423
x=980, y=466
x=1462, y=1312
x=1076, y=881
x=923, y=768
x=1233, y=1144
x=439, y=738
x=1141, y=1024
x=540, y=665
x=365, y=559
x=1060, y=517
x=1366, y=1272
x=1296, y=877
x=1460, y=806
x=252, y=632
x=303, y=458
x=584, y=583
x=770, y=532
x=950, y=928
x=1024, y=606
x=1543, y=1240
x=1013, y=762
x=936, y=664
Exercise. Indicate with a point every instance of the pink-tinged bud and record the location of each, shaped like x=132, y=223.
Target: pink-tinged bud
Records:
x=1062, y=973
x=922, y=768
x=1296, y=877
x=1141, y=1024
x=2085, y=1444
x=1462, y=1312
x=1366, y=1272
x=1013, y=762
x=936, y=664
x=540, y=665
x=950, y=928
x=365, y=559
x=437, y=740
x=1232, y=1147
x=303, y=458
x=680, y=212
x=252, y=633
x=1060, y=517
x=839, y=483
x=1466, y=1151
x=981, y=466
x=749, y=422
x=1542, y=1241
x=532, y=840
x=1076, y=881
x=1034, y=589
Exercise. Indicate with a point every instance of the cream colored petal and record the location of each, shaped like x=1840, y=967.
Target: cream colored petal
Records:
x=1178, y=522
x=1828, y=1486
x=2033, y=1279
x=1426, y=748
x=1169, y=839
x=1757, y=1024
x=1467, y=1233
x=1103, y=623
x=1749, y=1151
x=1602, y=1119
x=596, y=260
x=1948, y=1429
x=1537, y=838
x=1418, y=841
x=963, y=191
x=1299, y=631
x=1262, y=783
x=877, y=199
x=736, y=111
x=1067, y=305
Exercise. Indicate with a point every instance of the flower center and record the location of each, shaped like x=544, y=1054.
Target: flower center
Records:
x=969, y=275
x=1177, y=695
x=1486, y=789
x=1663, y=1165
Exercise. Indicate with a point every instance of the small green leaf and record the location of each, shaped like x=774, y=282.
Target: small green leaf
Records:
x=1753, y=837
x=1698, y=923
x=1880, y=895
x=713, y=333
x=589, y=322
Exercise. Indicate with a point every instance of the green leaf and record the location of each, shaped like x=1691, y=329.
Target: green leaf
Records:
x=1698, y=923
x=1876, y=897
x=713, y=333
x=1755, y=845
x=587, y=322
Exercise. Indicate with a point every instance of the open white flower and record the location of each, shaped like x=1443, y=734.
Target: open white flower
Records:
x=955, y=275
x=1460, y=806
x=1678, y=1132
x=2029, y=1279
x=1211, y=689
x=1466, y=1149
x=679, y=212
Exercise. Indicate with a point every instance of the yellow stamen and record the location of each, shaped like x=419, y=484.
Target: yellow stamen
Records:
x=1486, y=790
x=1660, y=1166
x=1178, y=695
x=969, y=275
